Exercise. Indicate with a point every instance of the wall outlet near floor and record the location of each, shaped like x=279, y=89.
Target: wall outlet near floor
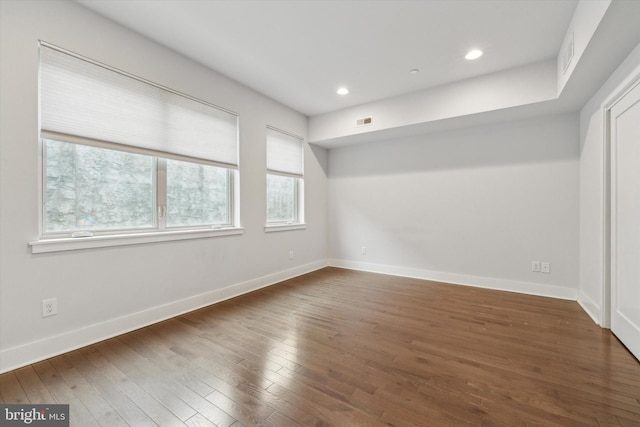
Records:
x=363, y=250
x=535, y=266
x=546, y=267
x=290, y=254
x=49, y=307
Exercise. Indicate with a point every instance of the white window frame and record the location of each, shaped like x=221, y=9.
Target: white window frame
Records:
x=81, y=239
x=298, y=222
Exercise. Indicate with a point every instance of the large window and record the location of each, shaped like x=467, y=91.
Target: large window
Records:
x=285, y=179
x=123, y=155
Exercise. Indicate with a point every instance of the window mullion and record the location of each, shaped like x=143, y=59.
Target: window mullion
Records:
x=161, y=193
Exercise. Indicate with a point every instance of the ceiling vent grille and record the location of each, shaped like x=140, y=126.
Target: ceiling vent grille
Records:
x=365, y=121
x=567, y=54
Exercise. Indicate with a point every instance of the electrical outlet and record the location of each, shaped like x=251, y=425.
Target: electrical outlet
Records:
x=535, y=266
x=363, y=250
x=49, y=307
x=546, y=267
x=290, y=254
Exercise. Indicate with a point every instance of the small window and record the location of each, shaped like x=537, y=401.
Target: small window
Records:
x=285, y=179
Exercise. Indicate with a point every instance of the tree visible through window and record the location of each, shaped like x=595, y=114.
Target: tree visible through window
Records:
x=281, y=199
x=197, y=194
x=89, y=188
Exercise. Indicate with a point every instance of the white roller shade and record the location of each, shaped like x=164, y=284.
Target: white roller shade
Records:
x=85, y=99
x=284, y=153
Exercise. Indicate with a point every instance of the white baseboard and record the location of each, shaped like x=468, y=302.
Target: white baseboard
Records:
x=461, y=279
x=26, y=354
x=32, y=352
x=590, y=307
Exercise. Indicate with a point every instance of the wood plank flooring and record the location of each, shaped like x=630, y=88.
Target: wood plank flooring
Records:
x=345, y=348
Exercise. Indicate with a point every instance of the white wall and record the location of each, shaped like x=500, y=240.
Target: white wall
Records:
x=102, y=292
x=529, y=84
x=584, y=23
x=473, y=206
x=593, y=189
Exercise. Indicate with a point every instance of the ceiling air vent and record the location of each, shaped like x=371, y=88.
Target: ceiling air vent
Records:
x=567, y=53
x=365, y=121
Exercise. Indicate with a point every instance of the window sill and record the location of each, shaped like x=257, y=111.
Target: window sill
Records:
x=284, y=227
x=71, y=244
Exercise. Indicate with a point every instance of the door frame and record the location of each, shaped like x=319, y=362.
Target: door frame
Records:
x=629, y=83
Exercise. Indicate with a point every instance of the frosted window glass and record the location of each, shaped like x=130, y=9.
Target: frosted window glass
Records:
x=281, y=199
x=89, y=188
x=197, y=194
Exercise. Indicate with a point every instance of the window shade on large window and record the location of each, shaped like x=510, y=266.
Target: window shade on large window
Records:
x=284, y=153
x=88, y=100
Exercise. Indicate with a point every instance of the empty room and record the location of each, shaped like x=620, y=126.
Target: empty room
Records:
x=320, y=212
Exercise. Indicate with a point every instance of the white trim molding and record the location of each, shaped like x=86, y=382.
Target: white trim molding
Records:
x=22, y=355
x=591, y=308
x=608, y=167
x=75, y=243
x=270, y=228
x=460, y=279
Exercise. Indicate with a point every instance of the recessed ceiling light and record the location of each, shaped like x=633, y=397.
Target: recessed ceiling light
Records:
x=473, y=54
x=414, y=71
x=342, y=91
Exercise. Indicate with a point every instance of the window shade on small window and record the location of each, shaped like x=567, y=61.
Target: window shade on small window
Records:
x=284, y=153
x=81, y=98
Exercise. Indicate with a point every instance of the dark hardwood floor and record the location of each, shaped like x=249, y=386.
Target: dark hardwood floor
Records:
x=346, y=348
